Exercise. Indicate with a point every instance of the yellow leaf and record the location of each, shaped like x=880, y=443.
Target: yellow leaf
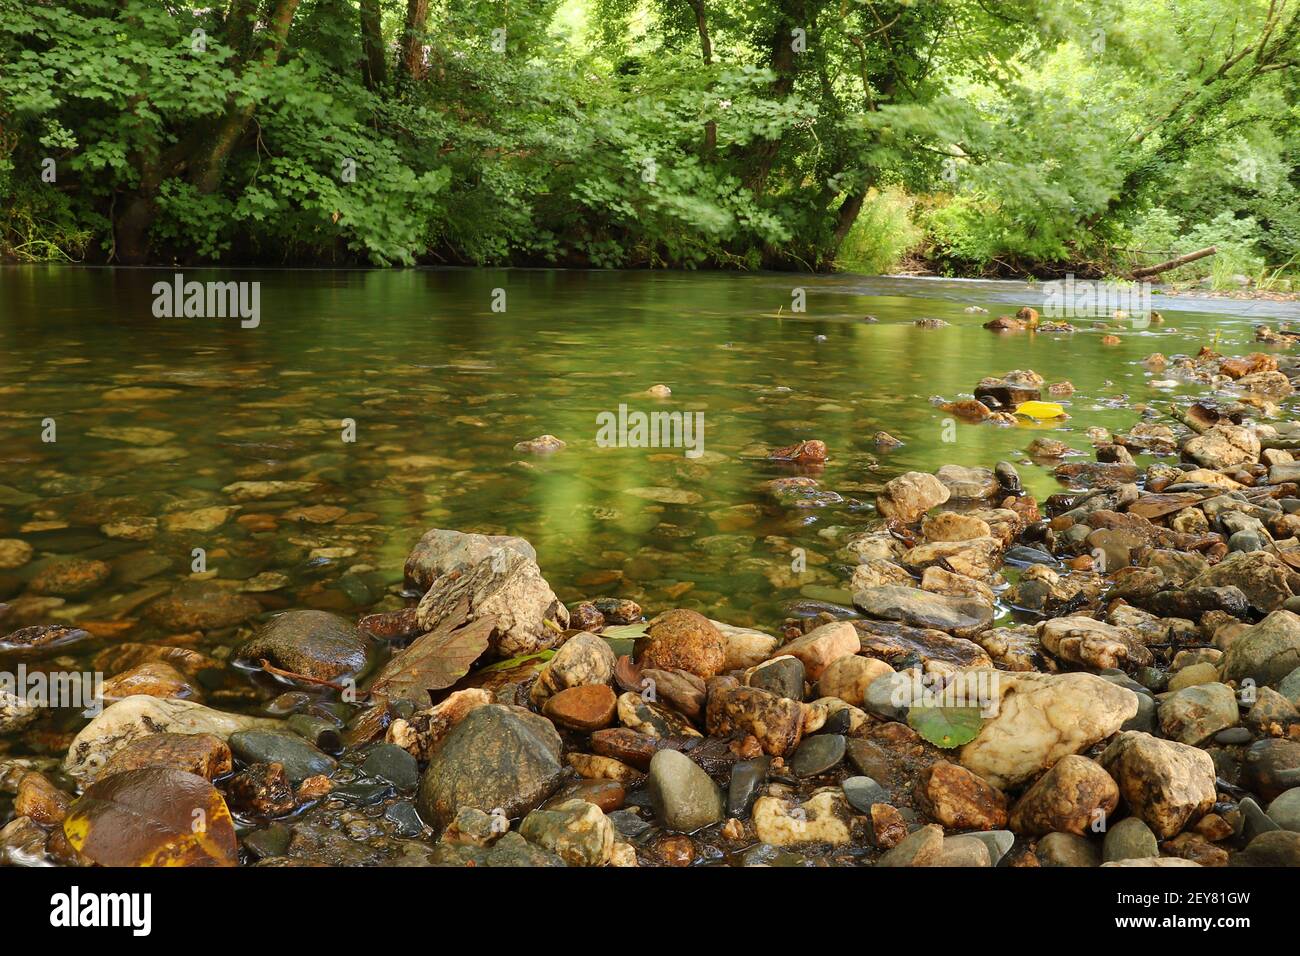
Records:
x=1040, y=410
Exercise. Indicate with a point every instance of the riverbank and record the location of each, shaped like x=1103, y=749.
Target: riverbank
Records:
x=1105, y=674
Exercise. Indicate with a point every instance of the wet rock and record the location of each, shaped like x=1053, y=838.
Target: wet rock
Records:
x=1066, y=849
x=1265, y=653
x=1195, y=714
x=824, y=645
x=316, y=644
x=975, y=558
x=582, y=660
x=1272, y=715
x=1015, y=648
x=652, y=719
x=589, y=707
x=680, y=690
x=776, y=722
x=135, y=718
x=42, y=637
x=1223, y=446
x=923, y=847
x=968, y=483
x=542, y=445
x=389, y=762
x=1285, y=810
x=877, y=571
x=421, y=733
x=1166, y=784
x=202, y=754
x=863, y=792
x=16, y=712
x=152, y=678
x=824, y=818
x=496, y=757
x=965, y=851
x=585, y=617
x=959, y=799
x=473, y=827
x=440, y=551
x=1129, y=839
x=45, y=803
x=1040, y=719
x=685, y=640
x=961, y=616
x=889, y=696
x=70, y=577
x=1275, y=848
x=683, y=796
x=849, y=677
x=747, y=777
x=201, y=606
x=783, y=676
x=817, y=754
x=1261, y=576
x=576, y=831
x=262, y=789
x=1192, y=675
x=1082, y=640
x=299, y=758
x=745, y=647
x=1271, y=767
x=954, y=526
x=1191, y=603
x=1072, y=797
x=14, y=553
x=909, y=496
x=506, y=587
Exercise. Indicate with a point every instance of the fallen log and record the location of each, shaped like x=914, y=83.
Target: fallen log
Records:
x=1168, y=264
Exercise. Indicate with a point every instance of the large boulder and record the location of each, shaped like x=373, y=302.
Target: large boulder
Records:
x=1091, y=643
x=909, y=496
x=134, y=718
x=497, y=757
x=1261, y=576
x=1223, y=446
x=315, y=644
x=1166, y=784
x=439, y=551
x=962, y=616
x=1041, y=718
x=507, y=587
x=1265, y=653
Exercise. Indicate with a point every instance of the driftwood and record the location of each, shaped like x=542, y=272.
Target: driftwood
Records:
x=1168, y=264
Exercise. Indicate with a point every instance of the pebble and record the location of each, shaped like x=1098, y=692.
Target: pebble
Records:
x=818, y=754
x=862, y=792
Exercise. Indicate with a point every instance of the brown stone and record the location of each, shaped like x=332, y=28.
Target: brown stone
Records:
x=1069, y=798
x=201, y=754
x=41, y=800
x=824, y=645
x=589, y=707
x=262, y=789
x=683, y=639
x=153, y=678
x=776, y=722
x=959, y=799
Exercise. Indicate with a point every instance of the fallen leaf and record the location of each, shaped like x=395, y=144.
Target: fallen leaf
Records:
x=434, y=661
x=155, y=816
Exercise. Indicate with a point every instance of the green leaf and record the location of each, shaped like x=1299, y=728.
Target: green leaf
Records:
x=946, y=727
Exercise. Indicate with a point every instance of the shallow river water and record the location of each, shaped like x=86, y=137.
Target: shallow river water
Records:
x=154, y=417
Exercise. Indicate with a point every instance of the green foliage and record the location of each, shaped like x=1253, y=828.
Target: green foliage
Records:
x=946, y=727
x=985, y=137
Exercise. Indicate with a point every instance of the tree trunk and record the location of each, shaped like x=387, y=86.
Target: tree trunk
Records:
x=1174, y=263
x=417, y=17
x=372, y=43
x=206, y=173
x=706, y=51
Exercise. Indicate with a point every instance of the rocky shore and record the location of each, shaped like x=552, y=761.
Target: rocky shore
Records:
x=1109, y=676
